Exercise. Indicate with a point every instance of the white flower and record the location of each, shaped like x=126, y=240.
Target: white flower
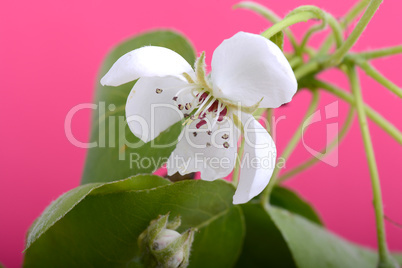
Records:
x=248, y=71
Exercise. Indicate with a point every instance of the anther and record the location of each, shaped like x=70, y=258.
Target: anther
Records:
x=180, y=107
x=195, y=134
x=208, y=144
x=222, y=114
x=226, y=144
x=214, y=106
x=175, y=98
x=158, y=91
x=209, y=132
x=200, y=124
x=203, y=97
x=225, y=136
x=188, y=106
x=186, y=116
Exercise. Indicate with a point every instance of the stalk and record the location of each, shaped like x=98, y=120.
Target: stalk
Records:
x=385, y=259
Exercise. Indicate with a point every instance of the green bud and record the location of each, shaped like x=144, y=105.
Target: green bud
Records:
x=162, y=246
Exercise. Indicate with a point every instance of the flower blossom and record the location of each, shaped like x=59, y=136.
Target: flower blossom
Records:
x=248, y=72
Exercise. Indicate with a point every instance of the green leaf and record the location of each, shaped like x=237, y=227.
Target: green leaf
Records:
x=111, y=159
x=66, y=202
x=289, y=200
x=278, y=39
x=288, y=233
x=98, y=224
x=398, y=257
x=313, y=246
x=264, y=245
x=264, y=242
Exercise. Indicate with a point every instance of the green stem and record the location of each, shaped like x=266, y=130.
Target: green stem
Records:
x=295, y=61
x=313, y=160
x=336, y=29
x=326, y=45
x=270, y=114
x=308, y=68
x=258, y=113
x=338, y=56
x=319, y=63
x=286, y=22
x=384, y=256
x=310, y=51
x=291, y=146
x=372, y=114
x=308, y=35
x=354, y=12
x=236, y=171
x=326, y=18
x=269, y=15
x=380, y=53
x=349, y=17
x=376, y=75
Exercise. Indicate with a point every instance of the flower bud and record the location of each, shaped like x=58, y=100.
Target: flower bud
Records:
x=166, y=237
x=162, y=246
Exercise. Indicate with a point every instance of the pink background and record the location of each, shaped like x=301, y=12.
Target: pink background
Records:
x=50, y=52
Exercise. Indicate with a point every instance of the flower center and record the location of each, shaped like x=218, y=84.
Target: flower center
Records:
x=208, y=104
x=197, y=102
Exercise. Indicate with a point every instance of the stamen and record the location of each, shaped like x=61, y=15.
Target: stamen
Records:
x=222, y=114
x=209, y=132
x=184, y=89
x=195, y=99
x=209, y=105
x=203, y=96
x=195, y=134
x=226, y=144
x=202, y=105
x=225, y=136
x=180, y=107
x=188, y=106
x=214, y=106
x=158, y=91
x=217, y=114
x=200, y=124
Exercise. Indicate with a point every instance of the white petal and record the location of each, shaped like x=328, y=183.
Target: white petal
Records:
x=248, y=67
x=258, y=161
x=149, y=113
x=146, y=62
x=205, y=153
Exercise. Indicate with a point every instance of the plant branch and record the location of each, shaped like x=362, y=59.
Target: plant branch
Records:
x=339, y=54
x=288, y=21
x=236, y=170
x=380, y=53
x=268, y=127
x=354, y=12
x=269, y=15
x=372, y=114
x=376, y=75
x=384, y=256
x=349, y=17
